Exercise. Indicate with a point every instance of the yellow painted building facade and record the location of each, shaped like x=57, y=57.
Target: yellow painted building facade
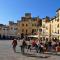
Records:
x=55, y=25
x=28, y=25
x=52, y=28
x=46, y=27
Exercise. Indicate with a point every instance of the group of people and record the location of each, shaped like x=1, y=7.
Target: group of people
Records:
x=14, y=44
x=38, y=45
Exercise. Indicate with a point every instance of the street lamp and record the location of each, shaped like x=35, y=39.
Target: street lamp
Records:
x=18, y=35
x=37, y=24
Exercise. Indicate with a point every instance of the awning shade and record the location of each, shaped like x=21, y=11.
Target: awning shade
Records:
x=33, y=36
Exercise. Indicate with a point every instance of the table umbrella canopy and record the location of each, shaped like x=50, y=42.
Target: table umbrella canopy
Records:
x=33, y=36
x=55, y=34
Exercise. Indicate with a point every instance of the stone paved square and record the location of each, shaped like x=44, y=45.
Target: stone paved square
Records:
x=6, y=53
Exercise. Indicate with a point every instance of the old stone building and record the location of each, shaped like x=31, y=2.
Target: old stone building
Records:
x=29, y=25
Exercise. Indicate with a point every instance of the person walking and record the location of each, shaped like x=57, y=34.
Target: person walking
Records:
x=14, y=44
x=23, y=46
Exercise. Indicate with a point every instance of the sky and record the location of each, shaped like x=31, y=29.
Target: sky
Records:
x=13, y=10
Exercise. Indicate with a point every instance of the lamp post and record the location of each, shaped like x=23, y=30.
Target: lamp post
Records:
x=37, y=25
x=4, y=34
x=42, y=33
x=50, y=32
x=18, y=35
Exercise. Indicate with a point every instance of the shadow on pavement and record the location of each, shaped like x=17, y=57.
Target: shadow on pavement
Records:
x=34, y=55
x=18, y=52
x=53, y=54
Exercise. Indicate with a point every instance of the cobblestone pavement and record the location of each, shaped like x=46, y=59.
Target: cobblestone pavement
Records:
x=6, y=53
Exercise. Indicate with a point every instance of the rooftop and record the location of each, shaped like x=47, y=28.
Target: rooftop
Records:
x=57, y=9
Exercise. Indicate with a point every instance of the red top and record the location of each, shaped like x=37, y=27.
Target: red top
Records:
x=58, y=49
x=14, y=43
x=33, y=43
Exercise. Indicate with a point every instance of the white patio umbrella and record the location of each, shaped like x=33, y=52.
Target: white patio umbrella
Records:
x=55, y=34
x=33, y=36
